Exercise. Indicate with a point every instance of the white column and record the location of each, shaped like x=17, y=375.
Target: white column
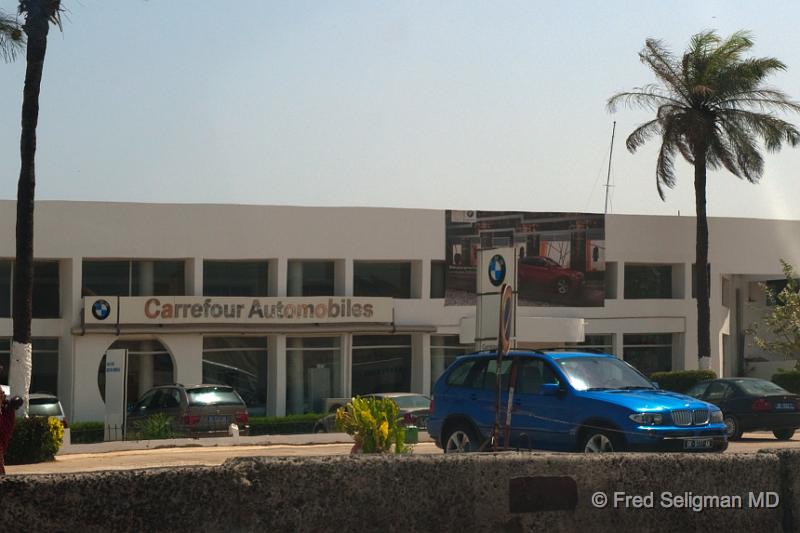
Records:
x=294, y=376
x=277, y=277
x=421, y=363
x=348, y=277
x=616, y=344
x=347, y=366
x=194, y=276
x=276, y=376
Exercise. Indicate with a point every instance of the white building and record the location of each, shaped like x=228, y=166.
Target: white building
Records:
x=173, y=277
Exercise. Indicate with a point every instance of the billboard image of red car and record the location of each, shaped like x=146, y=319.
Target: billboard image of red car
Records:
x=560, y=256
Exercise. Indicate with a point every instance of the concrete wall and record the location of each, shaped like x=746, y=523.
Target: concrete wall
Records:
x=483, y=492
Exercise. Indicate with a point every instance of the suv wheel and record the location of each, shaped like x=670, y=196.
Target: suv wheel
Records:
x=783, y=434
x=732, y=428
x=460, y=438
x=596, y=441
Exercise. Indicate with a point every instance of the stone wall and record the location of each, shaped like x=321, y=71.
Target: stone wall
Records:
x=479, y=492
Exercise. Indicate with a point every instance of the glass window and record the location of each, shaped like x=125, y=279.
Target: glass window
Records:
x=648, y=281
x=241, y=363
x=598, y=373
x=718, y=391
x=760, y=387
x=445, y=349
x=45, y=290
x=149, y=365
x=648, y=353
x=106, y=278
x=44, y=407
x=158, y=278
x=235, y=278
x=46, y=297
x=5, y=359
x=697, y=390
x=5, y=289
x=532, y=374
x=313, y=373
x=596, y=343
x=133, y=278
x=438, y=279
x=391, y=280
x=489, y=377
x=44, y=366
x=381, y=363
x=463, y=375
x=310, y=278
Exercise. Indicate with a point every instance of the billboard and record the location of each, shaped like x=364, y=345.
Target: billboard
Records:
x=560, y=256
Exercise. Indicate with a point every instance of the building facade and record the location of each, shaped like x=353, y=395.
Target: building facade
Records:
x=292, y=305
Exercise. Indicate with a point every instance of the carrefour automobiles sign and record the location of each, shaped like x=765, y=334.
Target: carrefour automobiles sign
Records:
x=210, y=310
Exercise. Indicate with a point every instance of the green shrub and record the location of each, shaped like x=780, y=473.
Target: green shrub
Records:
x=158, y=426
x=681, y=380
x=86, y=432
x=34, y=440
x=788, y=380
x=284, y=425
x=373, y=424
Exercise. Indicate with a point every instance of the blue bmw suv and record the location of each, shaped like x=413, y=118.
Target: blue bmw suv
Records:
x=568, y=401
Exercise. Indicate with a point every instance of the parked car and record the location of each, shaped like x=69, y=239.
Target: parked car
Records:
x=750, y=404
x=196, y=410
x=413, y=409
x=40, y=404
x=568, y=401
x=539, y=272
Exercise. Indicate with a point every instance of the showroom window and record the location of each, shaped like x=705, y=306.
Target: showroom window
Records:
x=310, y=278
x=44, y=364
x=241, y=363
x=149, y=365
x=438, y=279
x=596, y=343
x=235, y=278
x=648, y=281
x=381, y=363
x=313, y=373
x=134, y=278
x=46, y=297
x=388, y=279
x=444, y=350
x=648, y=353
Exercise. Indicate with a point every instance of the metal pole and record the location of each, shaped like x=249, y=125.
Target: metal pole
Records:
x=610, y=153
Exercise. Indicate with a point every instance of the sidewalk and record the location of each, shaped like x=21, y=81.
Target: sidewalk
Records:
x=206, y=442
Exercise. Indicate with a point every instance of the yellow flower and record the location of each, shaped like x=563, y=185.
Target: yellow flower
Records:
x=384, y=429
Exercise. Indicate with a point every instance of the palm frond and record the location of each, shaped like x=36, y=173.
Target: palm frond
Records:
x=12, y=39
x=661, y=61
x=647, y=97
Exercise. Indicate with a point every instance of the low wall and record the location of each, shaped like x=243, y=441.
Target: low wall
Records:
x=477, y=492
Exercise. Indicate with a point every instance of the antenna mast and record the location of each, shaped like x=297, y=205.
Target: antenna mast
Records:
x=610, y=153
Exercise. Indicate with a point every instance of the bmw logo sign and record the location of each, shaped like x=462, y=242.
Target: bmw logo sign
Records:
x=497, y=270
x=101, y=309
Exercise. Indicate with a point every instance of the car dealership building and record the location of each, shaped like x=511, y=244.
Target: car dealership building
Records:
x=293, y=305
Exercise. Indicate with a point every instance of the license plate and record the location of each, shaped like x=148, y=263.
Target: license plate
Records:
x=784, y=406
x=218, y=420
x=697, y=444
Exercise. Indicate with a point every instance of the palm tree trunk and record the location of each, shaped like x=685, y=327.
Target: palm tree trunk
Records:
x=36, y=27
x=701, y=262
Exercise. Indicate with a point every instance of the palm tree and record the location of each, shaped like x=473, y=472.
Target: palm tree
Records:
x=712, y=107
x=38, y=16
x=11, y=37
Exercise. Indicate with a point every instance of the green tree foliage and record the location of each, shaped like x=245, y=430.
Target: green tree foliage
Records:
x=711, y=107
x=12, y=40
x=783, y=321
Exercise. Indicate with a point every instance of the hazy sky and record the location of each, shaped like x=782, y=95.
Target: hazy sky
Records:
x=459, y=104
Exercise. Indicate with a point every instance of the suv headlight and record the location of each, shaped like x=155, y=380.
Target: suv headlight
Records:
x=716, y=417
x=647, y=419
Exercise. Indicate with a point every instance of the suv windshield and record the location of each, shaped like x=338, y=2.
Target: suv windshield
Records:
x=44, y=407
x=213, y=396
x=601, y=373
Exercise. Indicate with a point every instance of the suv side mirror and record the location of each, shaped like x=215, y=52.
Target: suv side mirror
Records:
x=550, y=389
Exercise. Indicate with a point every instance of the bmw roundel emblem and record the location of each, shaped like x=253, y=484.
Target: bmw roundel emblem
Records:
x=497, y=270
x=101, y=309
